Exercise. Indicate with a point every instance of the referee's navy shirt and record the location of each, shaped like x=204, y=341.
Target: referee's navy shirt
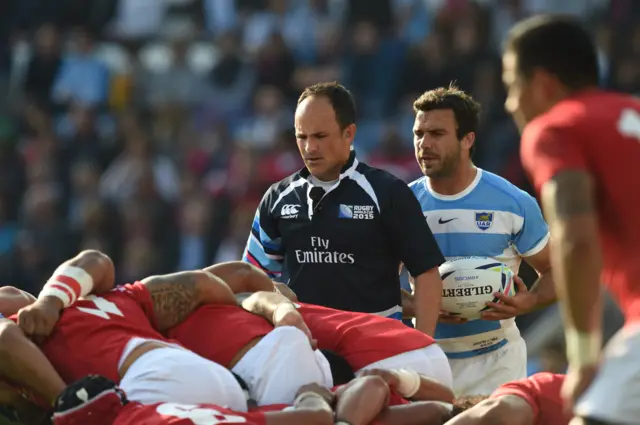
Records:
x=345, y=252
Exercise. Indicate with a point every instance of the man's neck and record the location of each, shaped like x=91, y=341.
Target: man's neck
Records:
x=456, y=183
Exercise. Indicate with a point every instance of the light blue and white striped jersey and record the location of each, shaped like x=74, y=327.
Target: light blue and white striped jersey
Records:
x=490, y=218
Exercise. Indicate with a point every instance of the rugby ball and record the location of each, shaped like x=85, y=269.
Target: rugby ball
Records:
x=468, y=283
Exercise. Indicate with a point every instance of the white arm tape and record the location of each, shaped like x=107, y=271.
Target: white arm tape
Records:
x=51, y=291
x=71, y=281
x=583, y=348
x=409, y=382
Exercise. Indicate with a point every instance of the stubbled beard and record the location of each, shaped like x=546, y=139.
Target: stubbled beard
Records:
x=447, y=167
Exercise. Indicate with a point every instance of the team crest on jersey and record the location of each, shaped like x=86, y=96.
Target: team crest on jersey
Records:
x=484, y=220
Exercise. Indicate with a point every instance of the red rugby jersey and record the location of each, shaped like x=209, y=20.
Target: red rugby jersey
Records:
x=597, y=132
x=219, y=332
x=361, y=338
x=91, y=335
x=542, y=392
x=176, y=414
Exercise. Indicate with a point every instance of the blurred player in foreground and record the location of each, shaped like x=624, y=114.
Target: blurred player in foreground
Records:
x=581, y=147
x=531, y=401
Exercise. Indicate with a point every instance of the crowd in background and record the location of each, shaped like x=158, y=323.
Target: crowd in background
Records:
x=150, y=128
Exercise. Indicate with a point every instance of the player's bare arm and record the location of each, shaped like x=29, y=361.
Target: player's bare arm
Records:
x=24, y=364
x=427, y=296
x=361, y=400
x=277, y=309
x=285, y=290
x=13, y=299
x=541, y=295
x=411, y=385
x=569, y=203
x=504, y=410
x=242, y=277
x=175, y=296
x=312, y=405
x=543, y=289
x=90, y=272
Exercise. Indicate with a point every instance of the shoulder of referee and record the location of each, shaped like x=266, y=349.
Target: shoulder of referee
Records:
x=386, y=185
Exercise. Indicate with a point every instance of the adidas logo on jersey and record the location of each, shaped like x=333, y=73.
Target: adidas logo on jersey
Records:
x=289, y=211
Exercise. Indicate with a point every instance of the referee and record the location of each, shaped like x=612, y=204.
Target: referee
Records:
x=342, y=228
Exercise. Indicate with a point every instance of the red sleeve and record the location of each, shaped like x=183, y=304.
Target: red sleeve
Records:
x=542, y=392
x=524, y=389
x=142, y=295
x=547, y=150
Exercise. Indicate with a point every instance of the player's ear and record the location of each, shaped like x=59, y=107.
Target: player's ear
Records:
x=350, y=132
x=468, y=140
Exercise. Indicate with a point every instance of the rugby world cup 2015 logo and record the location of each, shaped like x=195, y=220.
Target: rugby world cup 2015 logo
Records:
x=345, y=211
x=484, y=220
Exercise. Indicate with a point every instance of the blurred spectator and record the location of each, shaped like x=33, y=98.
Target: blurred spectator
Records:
x=177, y=84
x=260, y=129
x=395, y=156
x=231, y=80
x=44, y=65
x=131, y=170
x=82, y=78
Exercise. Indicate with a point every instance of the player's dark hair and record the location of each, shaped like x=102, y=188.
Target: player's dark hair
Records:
x=558, y=44
x=463, y=404
x=340, y=369
x=340, y=98
x=465, y=109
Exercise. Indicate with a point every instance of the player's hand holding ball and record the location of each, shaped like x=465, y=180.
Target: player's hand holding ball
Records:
x=38, y=319
x=286, y=314
x=511, y=306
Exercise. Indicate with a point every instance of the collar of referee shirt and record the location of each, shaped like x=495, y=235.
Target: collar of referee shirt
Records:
x=348, y=171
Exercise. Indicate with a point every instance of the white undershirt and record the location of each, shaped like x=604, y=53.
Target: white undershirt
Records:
x=325, y=185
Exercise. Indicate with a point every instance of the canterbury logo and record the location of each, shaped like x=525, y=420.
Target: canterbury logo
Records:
x=289, y=210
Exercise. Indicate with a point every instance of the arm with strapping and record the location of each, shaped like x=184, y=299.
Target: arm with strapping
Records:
x=90, y=272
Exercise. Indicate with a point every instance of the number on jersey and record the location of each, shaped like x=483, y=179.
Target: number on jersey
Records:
x=629, y=123
x=102, y=308
x=198, y=415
